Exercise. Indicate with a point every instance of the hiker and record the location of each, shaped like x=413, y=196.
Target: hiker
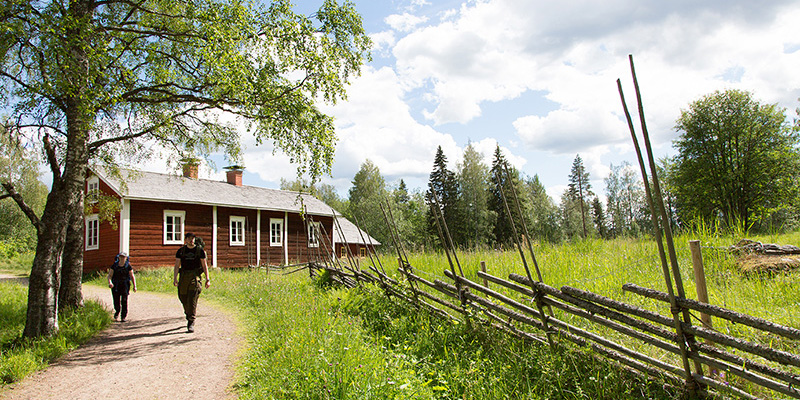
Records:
x=190, y=264
x=120, y=277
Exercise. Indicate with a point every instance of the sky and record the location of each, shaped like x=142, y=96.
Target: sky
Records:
x=538, y=78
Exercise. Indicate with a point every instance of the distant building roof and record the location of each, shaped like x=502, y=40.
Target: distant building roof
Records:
x=140, y=185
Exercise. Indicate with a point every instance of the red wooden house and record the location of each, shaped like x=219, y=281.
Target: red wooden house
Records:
x=240, y=225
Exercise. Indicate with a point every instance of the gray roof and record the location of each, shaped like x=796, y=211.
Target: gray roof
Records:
x=351, y=233
x=140, y=185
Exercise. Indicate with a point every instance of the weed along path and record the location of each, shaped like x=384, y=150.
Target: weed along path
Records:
x=150, y=356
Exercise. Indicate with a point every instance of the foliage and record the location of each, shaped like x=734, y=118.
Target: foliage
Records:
x=109, y=81
x=577, y=198
x=19, y=164
x=506, y=187
x=443, y=189
x=625, y=200
x=473, y=179
x=544, y=216
x=366, y=196
x=21, y=357
x=738, y=160
x=323, y=191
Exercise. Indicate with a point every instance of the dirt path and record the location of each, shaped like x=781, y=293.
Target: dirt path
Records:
x=150, y=356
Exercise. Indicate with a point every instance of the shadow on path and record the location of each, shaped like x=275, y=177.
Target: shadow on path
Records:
x=150, y=355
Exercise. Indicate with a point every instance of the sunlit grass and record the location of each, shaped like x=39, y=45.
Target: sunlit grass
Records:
x=21, y=357
x=308, y=343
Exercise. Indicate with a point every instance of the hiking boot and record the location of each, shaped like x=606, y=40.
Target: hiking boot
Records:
x=116, y=315
x=190, y=327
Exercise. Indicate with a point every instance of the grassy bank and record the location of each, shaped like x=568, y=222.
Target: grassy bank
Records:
x=309, y=343
x=21, y=357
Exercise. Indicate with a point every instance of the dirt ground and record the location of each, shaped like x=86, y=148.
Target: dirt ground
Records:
x=150, y=356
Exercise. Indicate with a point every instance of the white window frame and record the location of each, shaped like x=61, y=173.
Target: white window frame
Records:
x=236, y=231
x=92, y=230
x=314, y=232
x=177, y=235
x=92, y=189
x=273, y=222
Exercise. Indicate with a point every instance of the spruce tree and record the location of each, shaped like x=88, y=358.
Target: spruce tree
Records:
x=580, y=190
x=442, y=182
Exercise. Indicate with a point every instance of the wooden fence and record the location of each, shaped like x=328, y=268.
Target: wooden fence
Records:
x=536, y=312
x=540, y=313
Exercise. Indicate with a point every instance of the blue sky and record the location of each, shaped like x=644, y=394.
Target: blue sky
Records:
x=539, y=79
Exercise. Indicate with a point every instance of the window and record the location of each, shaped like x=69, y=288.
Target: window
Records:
x=275, y=231
x=313, y=234
x=237, y=231
x=93, y=189
x=362, y=251
x=92, y=232
x=173, y=226
x=343, y=251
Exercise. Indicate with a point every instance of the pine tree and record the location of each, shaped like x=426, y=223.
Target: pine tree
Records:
x=503, y=230
x=442, y=182
x=580, y=190
x=599, y=218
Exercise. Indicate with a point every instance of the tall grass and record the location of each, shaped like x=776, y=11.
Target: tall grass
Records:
x=19, y=357
x=304, y=342
x=300, y=345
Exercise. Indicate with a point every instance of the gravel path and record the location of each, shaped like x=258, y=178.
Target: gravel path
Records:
x=150, y=356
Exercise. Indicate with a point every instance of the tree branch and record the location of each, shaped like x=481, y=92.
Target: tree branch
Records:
x=12, y=192
x=52, y=159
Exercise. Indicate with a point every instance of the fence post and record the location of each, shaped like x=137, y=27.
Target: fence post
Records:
x=483, y=269
x=700, y=279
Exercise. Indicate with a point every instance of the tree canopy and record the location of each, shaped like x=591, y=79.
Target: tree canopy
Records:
x=101, y=80
x=737, y=159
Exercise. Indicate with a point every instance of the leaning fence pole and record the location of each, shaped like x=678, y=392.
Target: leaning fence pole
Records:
x=539, y=294
x=524, y=225
x=390, y=223
x=657, y=232
x=667, y=226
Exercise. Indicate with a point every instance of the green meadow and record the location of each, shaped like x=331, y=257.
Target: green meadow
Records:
x=306, y=341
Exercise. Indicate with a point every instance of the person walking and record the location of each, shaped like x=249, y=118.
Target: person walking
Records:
x=120, y=277
x=190, y=264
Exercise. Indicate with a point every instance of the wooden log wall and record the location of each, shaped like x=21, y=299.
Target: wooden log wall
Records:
x=512, y=308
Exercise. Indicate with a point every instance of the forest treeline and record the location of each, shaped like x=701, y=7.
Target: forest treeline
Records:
x=737, y=167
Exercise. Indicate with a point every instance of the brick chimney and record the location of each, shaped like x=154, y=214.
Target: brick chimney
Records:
x=190, y=167
x=234, y=174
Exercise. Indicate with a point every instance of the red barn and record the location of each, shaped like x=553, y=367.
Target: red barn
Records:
x=240, y=225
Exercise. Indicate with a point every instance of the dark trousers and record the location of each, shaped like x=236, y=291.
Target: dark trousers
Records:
x=120, y=295
x=189, y=288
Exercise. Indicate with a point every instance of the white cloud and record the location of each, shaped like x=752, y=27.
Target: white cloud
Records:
x=375, y=123
x=404, y=22
x=576, y=51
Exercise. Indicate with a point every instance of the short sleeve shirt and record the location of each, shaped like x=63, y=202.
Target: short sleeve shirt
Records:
x=190, y=258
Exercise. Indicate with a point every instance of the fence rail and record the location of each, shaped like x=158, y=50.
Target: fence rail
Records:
x=518, y=305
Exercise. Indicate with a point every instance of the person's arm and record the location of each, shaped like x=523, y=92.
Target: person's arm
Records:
x=175, y=272
x=110, y=274
x=205, y=270
x=133, y=279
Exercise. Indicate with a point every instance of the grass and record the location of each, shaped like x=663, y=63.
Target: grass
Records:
x=20, y=357
x=310, y=343
x=305, y=342
x=604, y=266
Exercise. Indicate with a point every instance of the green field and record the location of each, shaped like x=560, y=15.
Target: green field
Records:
x=305, y=342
